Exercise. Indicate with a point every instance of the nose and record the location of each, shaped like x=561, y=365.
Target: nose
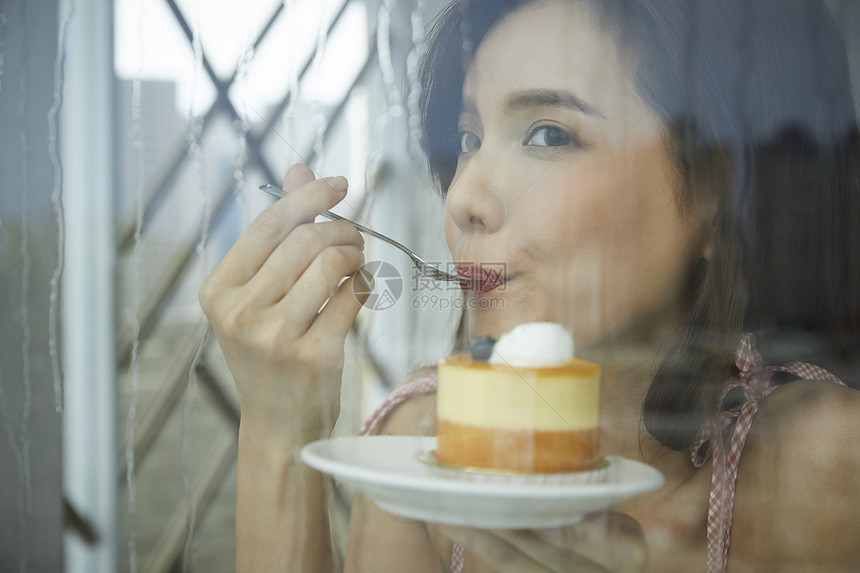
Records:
x=474, y=198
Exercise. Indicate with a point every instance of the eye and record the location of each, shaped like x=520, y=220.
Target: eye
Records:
x=549, y=136
x=469, y=142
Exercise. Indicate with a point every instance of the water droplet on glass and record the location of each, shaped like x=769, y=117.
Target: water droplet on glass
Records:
x=56, y=201
x=23, y=455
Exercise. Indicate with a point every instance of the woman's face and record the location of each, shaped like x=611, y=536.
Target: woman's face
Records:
x=564, y=178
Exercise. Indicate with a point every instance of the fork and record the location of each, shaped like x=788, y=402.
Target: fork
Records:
x=423, y=266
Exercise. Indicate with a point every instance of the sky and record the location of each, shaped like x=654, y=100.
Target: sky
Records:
x=150, y=44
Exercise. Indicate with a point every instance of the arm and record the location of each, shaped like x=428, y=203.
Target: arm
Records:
x=281, y=516
x=380, y=541
x=798, y=496
x=286, y=356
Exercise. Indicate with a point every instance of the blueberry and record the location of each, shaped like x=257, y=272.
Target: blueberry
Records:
x=482, y=348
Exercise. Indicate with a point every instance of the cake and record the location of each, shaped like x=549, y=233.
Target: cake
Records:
x=531, y=408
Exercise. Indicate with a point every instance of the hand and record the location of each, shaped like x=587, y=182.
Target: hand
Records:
x=601, y=542
x=263, y=301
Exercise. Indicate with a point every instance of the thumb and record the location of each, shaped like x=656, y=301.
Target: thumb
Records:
x=296, y=176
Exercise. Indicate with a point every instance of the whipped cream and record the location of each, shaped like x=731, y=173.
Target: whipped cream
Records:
x=533, y=345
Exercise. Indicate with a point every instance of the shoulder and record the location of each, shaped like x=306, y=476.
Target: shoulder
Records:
x=798, y=494
x=815, y=419
x=812, y=429
x=410, y=409
x=414, y=417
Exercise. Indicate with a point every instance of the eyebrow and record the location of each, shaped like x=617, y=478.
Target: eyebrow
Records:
x=547, y=98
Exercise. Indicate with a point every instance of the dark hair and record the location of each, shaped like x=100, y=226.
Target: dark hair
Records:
x=760, y=123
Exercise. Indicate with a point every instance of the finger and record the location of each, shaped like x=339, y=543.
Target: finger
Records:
x=495, y=551
x=613, y=539
x=295, y=253
x=298, y=175
x=341, y=309
x=619, y=524
x=610, y=525
x=312, y=289
x=271, y=226
x=616, y=539
x=557, y=559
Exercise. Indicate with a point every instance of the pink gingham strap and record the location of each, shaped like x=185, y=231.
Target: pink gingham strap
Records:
x=421, y=379
x=755, y=380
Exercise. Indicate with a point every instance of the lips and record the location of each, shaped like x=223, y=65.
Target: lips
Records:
x=481, y=279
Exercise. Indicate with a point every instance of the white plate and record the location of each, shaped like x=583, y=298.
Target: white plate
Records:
x=390, y=470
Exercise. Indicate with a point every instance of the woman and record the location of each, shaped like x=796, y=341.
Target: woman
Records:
x=668, y=179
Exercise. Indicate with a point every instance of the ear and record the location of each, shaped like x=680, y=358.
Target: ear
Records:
x=705, y=219
x=710, y=190
x=708, y=250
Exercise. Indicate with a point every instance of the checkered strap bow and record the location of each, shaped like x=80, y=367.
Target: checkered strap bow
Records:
x=755, y=381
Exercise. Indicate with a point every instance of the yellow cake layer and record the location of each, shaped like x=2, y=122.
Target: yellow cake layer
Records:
x=481, y=394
